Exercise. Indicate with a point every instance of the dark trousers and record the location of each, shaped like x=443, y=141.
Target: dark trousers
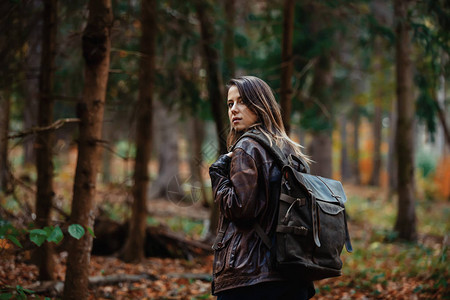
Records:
x=274, y=290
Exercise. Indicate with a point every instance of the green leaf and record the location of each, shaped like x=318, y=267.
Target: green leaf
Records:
x=76, y=231
x=14, y=240
x=21, y=290
x=6, y=296
x=91, y=232
x=48, y=229
x=38, y=236
x=21, y=295
x=4, y=228
x=56, y=235
x=28, y=291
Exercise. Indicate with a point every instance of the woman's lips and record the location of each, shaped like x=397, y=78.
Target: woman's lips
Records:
x=235, y=120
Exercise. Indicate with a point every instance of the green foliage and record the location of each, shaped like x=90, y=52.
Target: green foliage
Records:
x=205, y=296
x=49, y=234
x=91, y=232
x=188, y=226
x=114, y=211
x=39, y=236
x=125, y=149
x=151, y=221
x=5, y=296
x=11, y=203
x=425, y=162
x=77, y=231
x=14, y=239
x=425, y=106
x=431, y=29
x=9, y=232
x=377, y=28
x=18, y=292
x=56, y=235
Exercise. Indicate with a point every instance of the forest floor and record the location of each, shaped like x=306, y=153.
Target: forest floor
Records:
x=379, y=267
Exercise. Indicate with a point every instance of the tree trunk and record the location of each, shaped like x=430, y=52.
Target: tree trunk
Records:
x=168, y=184
x=356, y=123
x=377, y=127
x=134, y=246
x=215, y=88
x=443, y=132
x=197, y=134
x=107, y=156
x=5, y=183
x=96, y=53
x=31, y=85
x=392, y=157
x=346, y=173
x=44, y=140
x=405, y=224
x=377, y=119
x=441, y=115
x=320, y=148
x=320, y=152
x=214, y=79
x=228, y=45
x=287, y=64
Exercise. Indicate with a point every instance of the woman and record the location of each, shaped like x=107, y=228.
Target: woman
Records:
x=246, y=184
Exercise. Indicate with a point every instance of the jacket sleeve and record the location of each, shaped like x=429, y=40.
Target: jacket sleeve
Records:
x=235, y=186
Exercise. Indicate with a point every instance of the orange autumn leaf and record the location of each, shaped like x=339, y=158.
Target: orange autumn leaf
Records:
x=4, y=244
x=442, y=177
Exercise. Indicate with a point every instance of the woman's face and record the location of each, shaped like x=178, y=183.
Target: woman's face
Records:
x=241, y=117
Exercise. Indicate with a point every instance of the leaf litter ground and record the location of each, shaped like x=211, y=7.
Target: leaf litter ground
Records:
x=379, y=268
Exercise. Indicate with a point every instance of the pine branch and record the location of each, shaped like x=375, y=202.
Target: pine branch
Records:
x=33, y=130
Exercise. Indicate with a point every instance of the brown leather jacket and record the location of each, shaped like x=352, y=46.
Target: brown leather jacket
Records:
x=246, y=187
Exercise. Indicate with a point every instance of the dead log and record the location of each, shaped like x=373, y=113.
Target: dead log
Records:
x=194, y=276
x=160, y=241
x=95, y=281
x=109, y=236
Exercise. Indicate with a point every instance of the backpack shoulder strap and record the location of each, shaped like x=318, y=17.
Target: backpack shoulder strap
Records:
x=270, y=146
x=274, y=150
x=280, y=159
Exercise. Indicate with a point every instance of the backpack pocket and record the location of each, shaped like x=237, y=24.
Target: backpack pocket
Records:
x=293, y=230
x=331, y=217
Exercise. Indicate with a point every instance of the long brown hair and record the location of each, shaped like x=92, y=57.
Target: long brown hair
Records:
x=258, y=97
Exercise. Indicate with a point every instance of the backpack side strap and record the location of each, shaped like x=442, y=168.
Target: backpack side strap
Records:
x=264, y=237
x=348, y=243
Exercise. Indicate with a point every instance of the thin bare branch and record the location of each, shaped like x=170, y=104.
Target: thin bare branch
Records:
x=106, y=145
x=33, y=130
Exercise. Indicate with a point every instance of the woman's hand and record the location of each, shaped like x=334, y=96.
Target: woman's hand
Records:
x=230, y=154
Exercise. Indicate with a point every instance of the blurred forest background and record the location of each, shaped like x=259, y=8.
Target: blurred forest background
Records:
x=112, y=111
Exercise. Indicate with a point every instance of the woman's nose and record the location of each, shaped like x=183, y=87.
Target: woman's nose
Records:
x=234, y=108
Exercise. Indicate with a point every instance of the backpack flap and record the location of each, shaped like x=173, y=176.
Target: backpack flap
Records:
x=323, y=189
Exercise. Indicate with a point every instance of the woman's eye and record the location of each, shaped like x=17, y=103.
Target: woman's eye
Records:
x=230, y=105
